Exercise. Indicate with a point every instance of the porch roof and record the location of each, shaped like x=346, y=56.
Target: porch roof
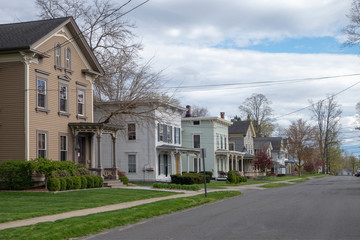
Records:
x=225, y=152
x=98, y=128
x=179, y=149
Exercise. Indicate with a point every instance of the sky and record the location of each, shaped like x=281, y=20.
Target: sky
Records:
x=215, y=54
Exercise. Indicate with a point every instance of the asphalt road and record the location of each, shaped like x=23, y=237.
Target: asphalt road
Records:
x=327, y=208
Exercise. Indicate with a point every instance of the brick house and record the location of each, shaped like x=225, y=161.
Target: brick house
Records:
x=47, y=71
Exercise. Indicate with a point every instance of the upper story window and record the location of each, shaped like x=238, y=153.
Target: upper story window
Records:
x=197, y=122
x=217, y=142
x=221, y=142
x=131, y=131
x=57, y=54
x=169, y=134
x=41, y=93
x=63, y=98
x=231, y=146
x=160, y=132
x=68, y=59
x=196, y=140
x=80, y=102
x=225, y=143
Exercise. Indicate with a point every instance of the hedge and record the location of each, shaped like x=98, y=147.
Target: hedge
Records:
x=235, y=177
x=189, y=178
x=74, y=182
x=83, y=182
x=176, y=186
x=15, y=175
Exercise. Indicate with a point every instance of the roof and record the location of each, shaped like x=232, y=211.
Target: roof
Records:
x=239, y=127
x=261, y=143
x=27, y=35
x=207, y=119
x=275, y=142
x=24, y=34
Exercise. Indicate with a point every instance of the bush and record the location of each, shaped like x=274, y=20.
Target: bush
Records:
x=207, y=173
x=235, y=177
x=63, y=184
x=69, y=183
x=83, y=182
x=82, y=171
x=15, y=175
x=60, y=174
x=100, y=181
x=76, y=182
x=281, y=175
x=189, y=178
x=53, y=184
x=90, y=181
x=124, y=179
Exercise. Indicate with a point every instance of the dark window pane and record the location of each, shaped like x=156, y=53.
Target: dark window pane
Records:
x=196, y=141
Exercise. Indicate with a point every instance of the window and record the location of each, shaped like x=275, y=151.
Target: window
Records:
x=221, y=142
x=177, y=132
x=196, y=122
x=160, y=132
x=41, y=93
x=132, y=163
x=225, y=143
x=231, y=146
x=217, y=142
x=68, y=59
x=196, y=141
x=63, y=148
x=63, y=97
x=169, y=134
x=57, y=56
x=42, y=144
x=131, y=131
x=165, y=133
x=81, y=102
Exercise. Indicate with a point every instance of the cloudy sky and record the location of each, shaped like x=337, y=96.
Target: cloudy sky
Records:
x=217, y=53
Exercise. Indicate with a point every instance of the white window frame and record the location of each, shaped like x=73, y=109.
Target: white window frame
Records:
x=66, y=150
x=57, y=56
x=193, y=139
x=132, y=165
x=39, y=134
x=68, y=59
x=131, y=132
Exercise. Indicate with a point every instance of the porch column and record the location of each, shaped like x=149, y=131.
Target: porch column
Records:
x=188, y=161
x=99, y=151
x=237, y=164
x=242, y=165
x=115, y=157
x=180, y=164
x=216, y=167
x=74, y=148
x=198, y=163
x=227, y=163
x=92, y=144
x=232, y=162
x=173, y=163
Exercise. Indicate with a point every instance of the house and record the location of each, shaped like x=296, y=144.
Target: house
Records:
x=210, y=133
x=149, y=148
x=279, y=154
x=47, y=71
x=241, y=138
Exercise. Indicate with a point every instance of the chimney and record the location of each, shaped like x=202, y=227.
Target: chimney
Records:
x=222, y=115
x=188, y=111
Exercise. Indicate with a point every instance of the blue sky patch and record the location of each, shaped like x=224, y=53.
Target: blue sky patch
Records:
x=296, y=45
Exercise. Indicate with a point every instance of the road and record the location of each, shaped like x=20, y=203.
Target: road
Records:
x=327, y=208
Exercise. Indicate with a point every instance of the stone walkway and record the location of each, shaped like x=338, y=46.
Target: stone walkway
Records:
x=84, y=212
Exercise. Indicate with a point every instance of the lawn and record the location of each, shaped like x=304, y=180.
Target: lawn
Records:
x=300, y=180
x=81, y=226
x=23, y=205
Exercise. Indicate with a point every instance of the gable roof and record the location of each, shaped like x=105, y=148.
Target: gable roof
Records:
x=262, y=143
x=241, y=127
x=275, y=142
x=25, y=36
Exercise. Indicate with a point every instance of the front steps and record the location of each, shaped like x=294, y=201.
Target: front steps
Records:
x=113, y=183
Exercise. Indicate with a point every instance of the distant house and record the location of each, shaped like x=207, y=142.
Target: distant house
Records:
x=241, y=138
x=279, y=155
x=210, y=133
x=47, y=72
x=345, y=172
x=147, y=149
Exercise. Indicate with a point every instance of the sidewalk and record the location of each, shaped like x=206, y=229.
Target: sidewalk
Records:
x=84, y=212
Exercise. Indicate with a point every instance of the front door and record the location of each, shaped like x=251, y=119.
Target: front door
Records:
x=81, y=154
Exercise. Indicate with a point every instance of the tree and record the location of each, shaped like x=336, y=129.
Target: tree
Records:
x=352, y=29
x=128, y=81
x=197, y=111
x=263, y=161
x=326, y=114
x=300, y=135
x=257, y=109
x=236, y=118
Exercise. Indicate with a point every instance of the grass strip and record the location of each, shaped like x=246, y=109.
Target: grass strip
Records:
x=275, y=185
x=300, y=180
x=23, y=205
x=95, y=223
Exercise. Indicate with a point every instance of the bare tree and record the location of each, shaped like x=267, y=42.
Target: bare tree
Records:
x=300, y=136
x=128, y=81
x=352, y=29
x=257, y=109
x=326, y=114
x=197, y=111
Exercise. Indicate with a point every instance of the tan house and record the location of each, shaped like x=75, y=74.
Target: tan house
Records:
x=47, y=71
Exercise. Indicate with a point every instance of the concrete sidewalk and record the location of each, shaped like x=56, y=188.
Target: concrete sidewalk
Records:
x=107, y=208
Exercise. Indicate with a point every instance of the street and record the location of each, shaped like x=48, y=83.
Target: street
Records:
x=326, y=208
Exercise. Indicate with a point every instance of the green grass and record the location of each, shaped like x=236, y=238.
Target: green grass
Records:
x=23, y=205
x=300, y=180
x=275, y=185
x=95, y=223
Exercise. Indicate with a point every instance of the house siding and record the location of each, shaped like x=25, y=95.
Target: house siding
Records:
x=12, y=111
x=52, y=122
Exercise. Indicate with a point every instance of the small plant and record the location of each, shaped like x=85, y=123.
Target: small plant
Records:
x=124, y=179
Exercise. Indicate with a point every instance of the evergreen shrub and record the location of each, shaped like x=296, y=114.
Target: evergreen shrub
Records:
x=54, y=184
x=15, y=175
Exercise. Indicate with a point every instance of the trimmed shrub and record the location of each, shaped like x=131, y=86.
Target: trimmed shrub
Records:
x=15, y=175
x=63, y=184
x=53, y=184
x=90, y=181
x=207, y=173
x=60, y=174
x=76, y=182
x=69, y=183
x=83, y=182
x=124, y=179
x=82, y=171
x=189, y=178
x=96, y=181
x=100, y=181
x=235, y=177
